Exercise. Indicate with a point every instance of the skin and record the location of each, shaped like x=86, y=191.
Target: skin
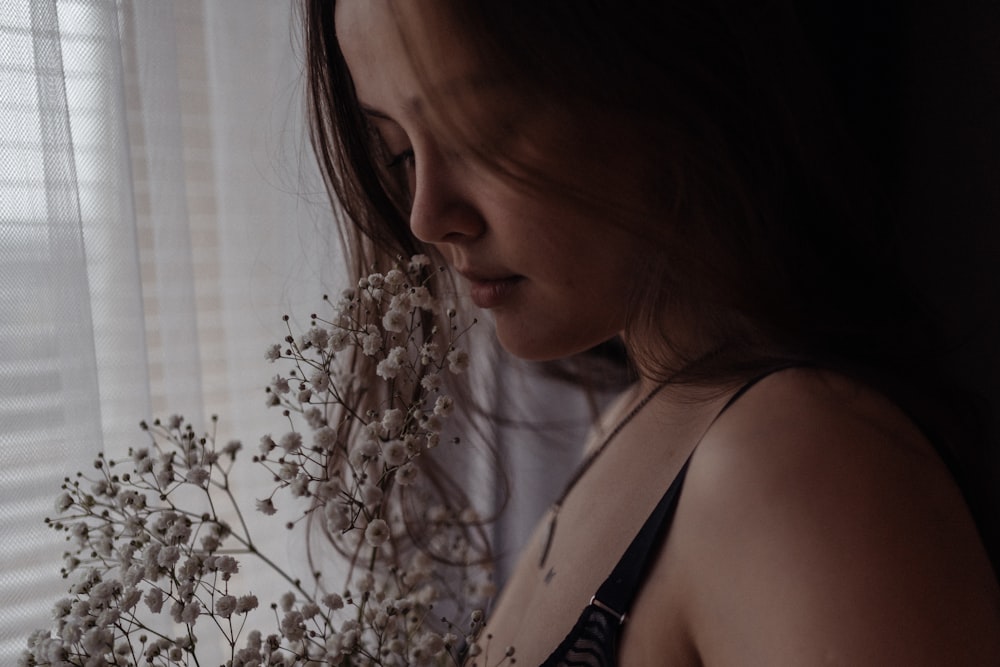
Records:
x=553, y=277
x=817, y=525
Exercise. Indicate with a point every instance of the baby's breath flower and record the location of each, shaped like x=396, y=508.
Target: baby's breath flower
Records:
x=190, y=612
x=432, y=423
x=347, y=641
x=420, y=297
x=314, y=417
x=418, y=262
x=336, y=518
x=227, y=565
x=395, y=279
x=288, y=471
x=339, y=339
x=169, y=556
x=154, y=599
x=433, y=643
x=246, y=603
x=394, y=453
x=359, y=456
x=144, y=542
x=327, y=490
x=108, y=617
x=325, y=439
x=377, y=533
x=443, y=406
x=317, y=337
x=458, y=361
x=371, y=495
x=142, y=461
x=71, y=632
x=210, y=543
x=300, y=486
x=391, y=366
x=400, y=302
x=293, y=626
x=406, y=474
x=371, y=341
x=394, y=321
x=429, y=353
x=62, y=608
x=291, y=442
x=319, y=380
x=191, y=569
x=97, y=641
x=198, y=476
x=431, y=382
x=64, y=502
x=392, y=420
x=165, y=475
x=102, y=593
x=366, y=582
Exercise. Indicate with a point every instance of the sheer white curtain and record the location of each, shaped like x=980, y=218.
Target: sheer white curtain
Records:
x=50, y=406
x=159, y=211
x=155, y=222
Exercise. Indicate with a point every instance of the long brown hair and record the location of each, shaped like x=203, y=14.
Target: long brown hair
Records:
x=767, y=215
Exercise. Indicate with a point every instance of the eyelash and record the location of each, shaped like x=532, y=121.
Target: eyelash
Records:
x=401, y=158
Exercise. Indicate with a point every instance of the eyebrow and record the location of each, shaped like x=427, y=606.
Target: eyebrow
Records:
x=412, y=107
x=371, y=111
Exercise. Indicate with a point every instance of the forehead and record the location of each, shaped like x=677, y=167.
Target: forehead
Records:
x=369, y=38
x=396, y=50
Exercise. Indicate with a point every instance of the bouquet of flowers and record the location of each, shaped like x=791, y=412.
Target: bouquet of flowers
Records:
x=155, y=539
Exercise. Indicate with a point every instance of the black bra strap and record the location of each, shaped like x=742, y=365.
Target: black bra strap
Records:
x=618, y=591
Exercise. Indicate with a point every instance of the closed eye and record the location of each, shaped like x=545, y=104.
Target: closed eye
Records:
x=404, y=158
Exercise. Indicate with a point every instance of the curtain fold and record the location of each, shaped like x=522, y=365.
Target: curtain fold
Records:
x=156, y=140
x=115, y=302
x=50, y=408
x=160, y=210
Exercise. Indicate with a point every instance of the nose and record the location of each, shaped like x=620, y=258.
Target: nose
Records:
x=443, y=208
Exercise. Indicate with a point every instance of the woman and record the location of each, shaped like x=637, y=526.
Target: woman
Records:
x=676, y=176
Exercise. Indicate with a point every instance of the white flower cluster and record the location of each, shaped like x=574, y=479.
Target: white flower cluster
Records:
x=149, y=544
x=350, y=461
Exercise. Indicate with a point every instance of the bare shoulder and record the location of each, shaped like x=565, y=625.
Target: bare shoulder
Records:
x=818, y=526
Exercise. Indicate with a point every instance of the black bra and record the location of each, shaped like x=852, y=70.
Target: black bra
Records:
x=593, y=641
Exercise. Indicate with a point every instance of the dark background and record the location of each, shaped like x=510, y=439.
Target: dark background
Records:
x=920, y=82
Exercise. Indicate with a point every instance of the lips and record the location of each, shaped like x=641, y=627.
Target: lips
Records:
x=490, y=291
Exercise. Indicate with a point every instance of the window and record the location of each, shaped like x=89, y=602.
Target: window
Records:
x=59, y=193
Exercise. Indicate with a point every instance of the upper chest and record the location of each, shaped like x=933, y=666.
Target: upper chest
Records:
x=597, y=521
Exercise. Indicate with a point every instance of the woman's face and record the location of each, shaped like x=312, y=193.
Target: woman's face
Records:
x=555, y=276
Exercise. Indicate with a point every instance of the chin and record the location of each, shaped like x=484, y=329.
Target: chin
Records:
x=544, y=344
